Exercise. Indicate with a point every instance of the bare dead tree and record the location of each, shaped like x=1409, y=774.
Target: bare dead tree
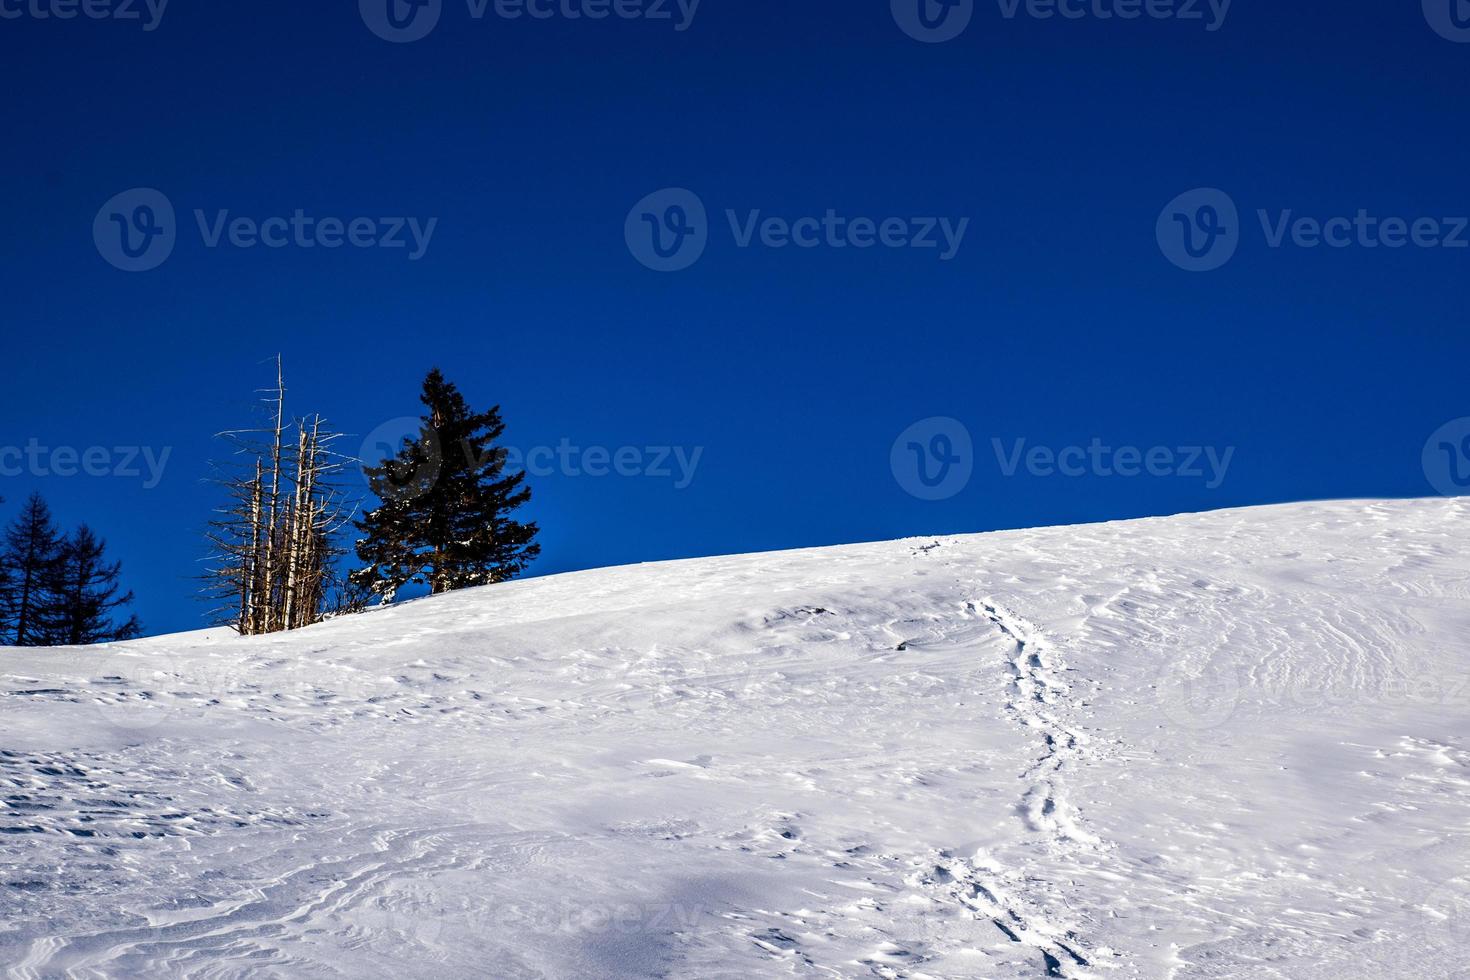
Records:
x=273, y=543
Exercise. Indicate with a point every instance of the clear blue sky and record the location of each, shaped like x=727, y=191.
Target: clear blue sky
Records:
x=1058, y=321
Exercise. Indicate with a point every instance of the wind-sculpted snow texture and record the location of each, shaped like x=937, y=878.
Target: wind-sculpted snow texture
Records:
x=1227, y=745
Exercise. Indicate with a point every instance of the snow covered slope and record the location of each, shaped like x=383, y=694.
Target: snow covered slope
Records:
x=1227, y=745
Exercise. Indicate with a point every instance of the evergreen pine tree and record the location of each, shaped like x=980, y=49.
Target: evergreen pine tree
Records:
x=32, y=549
x=7, y=597
x=446, y=499
x=83, y=594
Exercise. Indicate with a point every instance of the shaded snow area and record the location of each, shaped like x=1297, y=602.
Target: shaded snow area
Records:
x=1227, y=745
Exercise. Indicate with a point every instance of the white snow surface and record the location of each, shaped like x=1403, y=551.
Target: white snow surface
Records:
x=1234, y=744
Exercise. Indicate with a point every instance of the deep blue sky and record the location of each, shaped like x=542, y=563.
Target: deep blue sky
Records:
x=1059, y=320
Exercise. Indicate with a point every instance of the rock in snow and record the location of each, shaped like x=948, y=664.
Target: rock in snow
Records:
x=1225, y=745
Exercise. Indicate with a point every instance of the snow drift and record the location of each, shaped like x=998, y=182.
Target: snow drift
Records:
x=1224, y=745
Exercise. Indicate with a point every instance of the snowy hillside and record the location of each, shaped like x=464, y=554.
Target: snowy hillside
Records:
x=1227, y=745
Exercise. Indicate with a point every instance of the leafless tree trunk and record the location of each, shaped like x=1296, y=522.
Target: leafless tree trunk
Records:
x=272, y=556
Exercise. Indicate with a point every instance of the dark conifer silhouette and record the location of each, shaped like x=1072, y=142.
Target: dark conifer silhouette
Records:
x=83, y=595
x=7, y=596
x=32, y=551
x=444, y=520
